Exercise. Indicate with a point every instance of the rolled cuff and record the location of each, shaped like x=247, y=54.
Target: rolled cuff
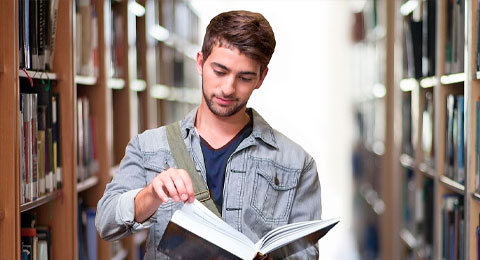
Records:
x=125, y=212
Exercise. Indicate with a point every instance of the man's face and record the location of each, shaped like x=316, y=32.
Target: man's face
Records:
x=228, y=80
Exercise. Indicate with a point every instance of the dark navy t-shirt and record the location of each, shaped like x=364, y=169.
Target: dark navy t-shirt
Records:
x=216, y=162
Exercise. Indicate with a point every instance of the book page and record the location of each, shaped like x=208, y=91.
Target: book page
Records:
x=285, y=235
x=199, y=220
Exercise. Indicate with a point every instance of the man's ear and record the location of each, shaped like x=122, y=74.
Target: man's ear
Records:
x=262, y=77
x=200, y=63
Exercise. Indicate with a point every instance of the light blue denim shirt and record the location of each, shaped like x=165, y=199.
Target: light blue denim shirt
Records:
x=269, y=181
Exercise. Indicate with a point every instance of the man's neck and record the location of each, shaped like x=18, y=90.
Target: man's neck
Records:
x=218, y=131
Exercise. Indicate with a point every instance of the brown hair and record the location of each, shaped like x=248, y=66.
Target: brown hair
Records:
x=246, y=31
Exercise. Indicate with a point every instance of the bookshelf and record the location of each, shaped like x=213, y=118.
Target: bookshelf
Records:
x=120, y=105
x=434, y=150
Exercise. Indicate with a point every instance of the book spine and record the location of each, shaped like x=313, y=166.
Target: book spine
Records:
x=35, y=146
x=21, y=21
x=41, y=149
x=80, y=143
x=57, y=161
x=22, y=154
x=26, y=34
x=34, y=34
x=477, y=141
x=52, y=32
x=86, y=138
x=29, y=145
x=41, y=33
x=461, y=143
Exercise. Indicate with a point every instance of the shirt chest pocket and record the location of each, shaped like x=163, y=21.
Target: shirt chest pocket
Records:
x=156, y=162
x=273, y=190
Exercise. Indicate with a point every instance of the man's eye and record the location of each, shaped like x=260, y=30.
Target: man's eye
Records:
x=219, y=73
x=245, y=79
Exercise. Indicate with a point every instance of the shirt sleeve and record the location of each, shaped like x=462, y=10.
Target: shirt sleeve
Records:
x=116, y=208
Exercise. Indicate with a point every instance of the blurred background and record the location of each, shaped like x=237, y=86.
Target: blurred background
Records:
x=384, y=94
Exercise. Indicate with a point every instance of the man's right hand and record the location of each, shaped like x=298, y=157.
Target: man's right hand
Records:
x=172, y=183
x=175, y=184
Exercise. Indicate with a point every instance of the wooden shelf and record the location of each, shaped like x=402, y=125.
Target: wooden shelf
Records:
x=407, y=161
x=138, y=85
x=453, y=185
x=40, y=201
x=184, y=95
x=38, y=75
x=85, y=80
x=116, y=83
x=409, y=239
x=409, y=84
x=426, y=170
x=87, y=184
x=429, y=82
x=452, y=78
x=476, y=197
x=371, y=198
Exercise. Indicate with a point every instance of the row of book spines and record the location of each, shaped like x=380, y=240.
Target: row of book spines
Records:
x=87, y=234
x=86, y=48
x=40, y=169
x=418, y=208
x=36, y=243
x=37, y=24
x=455, y=139
x=453, y=228
x=455, y=36
x=87, y=161
x=420, y=42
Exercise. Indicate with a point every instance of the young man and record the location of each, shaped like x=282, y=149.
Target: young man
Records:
x=258, y=178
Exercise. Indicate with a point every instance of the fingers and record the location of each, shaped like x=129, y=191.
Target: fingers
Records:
x=188, y=186
x=158, y=188
x=175, y=184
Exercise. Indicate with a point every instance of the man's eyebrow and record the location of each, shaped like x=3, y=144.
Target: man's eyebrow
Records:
x=227, y=69
x=221, y=66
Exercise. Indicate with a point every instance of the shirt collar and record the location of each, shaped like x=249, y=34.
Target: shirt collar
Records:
x=261, y=129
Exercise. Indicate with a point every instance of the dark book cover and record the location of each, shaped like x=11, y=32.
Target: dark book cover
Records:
x=179, y=243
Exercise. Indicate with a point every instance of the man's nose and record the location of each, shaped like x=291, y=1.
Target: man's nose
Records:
x=228, y=87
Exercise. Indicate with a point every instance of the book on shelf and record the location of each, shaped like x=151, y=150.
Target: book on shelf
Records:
x=87, y=163
x=407, y=129
x=427, y=129
x=86, y=31
x=478, y=38
x=453, y=227
x=408, y=200
x=455, y=36
x=197, y=228
x=87, y=235
x=455, y=139
x=37, y=29
x=35, y=239
x=429, y=37
x=117, y=41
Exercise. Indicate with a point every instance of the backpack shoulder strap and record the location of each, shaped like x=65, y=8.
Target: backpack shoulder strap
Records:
x=184, y=161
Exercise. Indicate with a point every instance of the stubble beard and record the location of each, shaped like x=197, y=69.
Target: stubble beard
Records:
x=221, y=111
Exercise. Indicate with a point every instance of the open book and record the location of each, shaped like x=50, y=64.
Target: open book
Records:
x=194, y=232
